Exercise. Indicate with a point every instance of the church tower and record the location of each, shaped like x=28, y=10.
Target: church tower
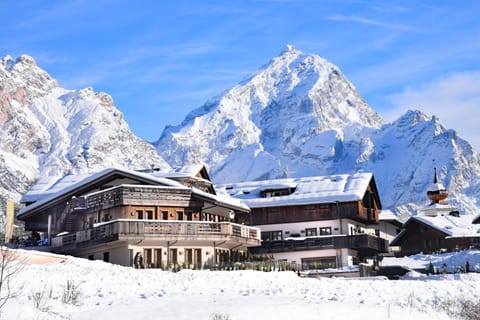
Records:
x=437, y=192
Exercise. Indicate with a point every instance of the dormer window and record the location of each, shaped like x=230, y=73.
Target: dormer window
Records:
x=278, y=191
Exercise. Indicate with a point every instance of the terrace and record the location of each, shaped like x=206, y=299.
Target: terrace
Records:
x=361, y=242
x=160, y=232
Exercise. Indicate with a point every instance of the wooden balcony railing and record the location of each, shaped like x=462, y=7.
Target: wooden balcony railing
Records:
x=160, y=230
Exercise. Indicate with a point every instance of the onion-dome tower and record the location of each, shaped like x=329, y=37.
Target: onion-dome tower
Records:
x=436, y=191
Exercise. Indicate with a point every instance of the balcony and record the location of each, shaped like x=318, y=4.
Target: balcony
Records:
x=159, y=232
x=364, y=243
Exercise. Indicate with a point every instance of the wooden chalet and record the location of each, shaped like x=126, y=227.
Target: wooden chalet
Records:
x=313, y=222
x=428, y=234
x=140, y=219
x=438, y=226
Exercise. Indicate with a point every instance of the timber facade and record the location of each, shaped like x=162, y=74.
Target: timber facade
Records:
x=310, y=226
x=140, y=220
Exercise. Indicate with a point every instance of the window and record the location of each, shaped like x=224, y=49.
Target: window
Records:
x=165, y=215
x=179, y=215
x=427, y=243
x=90, y=257
x=266, y=236
x=310, y=232
x=377, y=232
x=106, y=256
x=149, y=214
x=319, y=263
x=140, y=214
x=189, y=216
x=271, y=235
x=326, y=231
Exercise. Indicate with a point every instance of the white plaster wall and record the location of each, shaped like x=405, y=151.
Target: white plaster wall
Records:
x=288, y=229
x=388, y=231
x=117, y=255
x=344, y=256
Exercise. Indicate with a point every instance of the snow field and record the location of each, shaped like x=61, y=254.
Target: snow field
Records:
x=114, y=292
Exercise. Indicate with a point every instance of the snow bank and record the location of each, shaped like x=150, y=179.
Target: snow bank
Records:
x=114, y=292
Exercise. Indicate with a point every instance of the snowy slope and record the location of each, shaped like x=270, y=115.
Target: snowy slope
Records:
x=291, y=112
x=403, y=155
x=299, y=116
x=115, y=292
x=48, y=130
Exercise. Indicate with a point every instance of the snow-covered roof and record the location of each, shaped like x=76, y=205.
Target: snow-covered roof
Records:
x=280, y=186
x=436, y=186
x=49, y=190
x=451, y=226
x=436, y=209
x=388, y=215
x=476, y=219
x=309, y=190
x=51, y=185
x=45, y=192
x=191, y=170
x=188, y=171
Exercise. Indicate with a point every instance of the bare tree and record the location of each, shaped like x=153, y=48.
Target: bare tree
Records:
x=10, y=266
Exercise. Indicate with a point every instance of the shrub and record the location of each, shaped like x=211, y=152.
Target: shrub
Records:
x=219, y=316
x=40, y=299
x=71, y=293
x=460, y=308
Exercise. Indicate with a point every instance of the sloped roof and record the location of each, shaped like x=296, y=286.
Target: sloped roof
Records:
x=450, y=226
x=184, y=171
x=436, y=186
x=476, y=219
x=389, y=216
x=52, y=190
x=308, y=190
x=50, y=185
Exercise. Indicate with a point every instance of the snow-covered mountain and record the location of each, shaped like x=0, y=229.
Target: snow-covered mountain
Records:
x=290, y=113
x=299, y=115
x=48, y=130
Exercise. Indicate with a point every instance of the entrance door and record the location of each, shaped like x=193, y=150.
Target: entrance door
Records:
x=189, y=258
x=197, y=257
x=158, y=258
x=147, y=255
x=173, y=257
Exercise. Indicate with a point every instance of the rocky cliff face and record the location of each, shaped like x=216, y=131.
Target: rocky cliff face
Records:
x=290, y=113
x=48, y=130
x=299, y=115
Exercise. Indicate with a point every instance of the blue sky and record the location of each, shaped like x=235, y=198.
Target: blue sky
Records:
x=161, y=59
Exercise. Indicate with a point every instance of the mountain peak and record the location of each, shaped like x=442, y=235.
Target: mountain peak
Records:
x=283, y=108
x=26, y=60
x=289, y=49
x=7, y=62
x=414, y=116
